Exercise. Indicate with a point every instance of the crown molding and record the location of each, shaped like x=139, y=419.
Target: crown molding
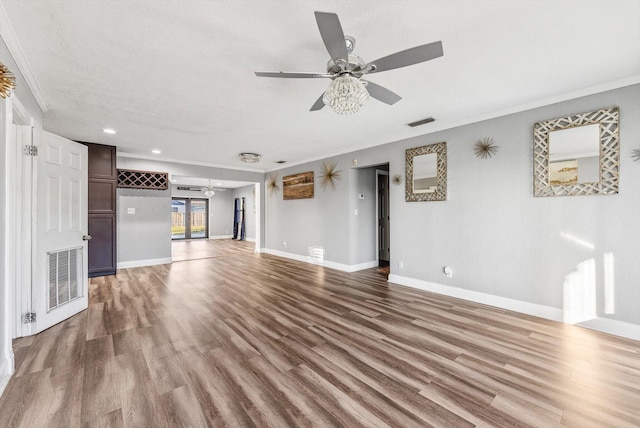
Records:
x=186, y=162
x=15, y=49
x=446, y=125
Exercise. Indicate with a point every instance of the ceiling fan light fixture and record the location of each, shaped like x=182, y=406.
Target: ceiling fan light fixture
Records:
x=250, y=157
x=208, y=191
x=346, y=94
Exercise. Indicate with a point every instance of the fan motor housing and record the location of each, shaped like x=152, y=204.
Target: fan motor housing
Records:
x=355, y=63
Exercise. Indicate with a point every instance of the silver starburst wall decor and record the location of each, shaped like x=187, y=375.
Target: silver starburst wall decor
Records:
x=635, y=155
x=397, y=179
x=7, y=82
x=330, y=175
x=485, y=148
x=272, y=184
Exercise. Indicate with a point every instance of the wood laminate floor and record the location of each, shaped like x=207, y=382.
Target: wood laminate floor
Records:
x=193, y=249
x=256, y=340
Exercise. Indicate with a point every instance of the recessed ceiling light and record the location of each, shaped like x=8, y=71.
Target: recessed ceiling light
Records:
x=218, y=184
x=156, y=151
x=108, y=131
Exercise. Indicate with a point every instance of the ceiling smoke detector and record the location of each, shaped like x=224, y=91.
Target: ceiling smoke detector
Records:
x=250, y=157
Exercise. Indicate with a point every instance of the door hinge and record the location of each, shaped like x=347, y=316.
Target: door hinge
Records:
x=29, y=317
x=31, y=150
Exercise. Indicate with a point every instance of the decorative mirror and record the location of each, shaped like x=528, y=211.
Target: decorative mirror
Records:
x=426, y=173
x=577, y=155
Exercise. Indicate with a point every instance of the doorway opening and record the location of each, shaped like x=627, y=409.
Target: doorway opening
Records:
x=189, y=218
x=382, y=210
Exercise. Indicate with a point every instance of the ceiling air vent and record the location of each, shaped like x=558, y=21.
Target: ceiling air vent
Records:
x=190, y=189
x=421, y=122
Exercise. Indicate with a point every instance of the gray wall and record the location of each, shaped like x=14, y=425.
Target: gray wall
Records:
x=495, y=235
x=322, y=221
x=146, y=234
x=130, y=246
x=362, y=231
x=221, y=213
x=249, y=210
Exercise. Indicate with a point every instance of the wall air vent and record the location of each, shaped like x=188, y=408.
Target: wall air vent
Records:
x=421, y=122
x=190, y=188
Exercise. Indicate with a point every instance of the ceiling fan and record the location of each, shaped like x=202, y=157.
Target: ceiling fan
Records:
x=347, y=93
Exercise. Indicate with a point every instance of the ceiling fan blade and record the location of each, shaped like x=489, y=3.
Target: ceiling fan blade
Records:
x=407, y=57
x=382, y=94
x=332, y=35
x=318, y=104
x=290, y=75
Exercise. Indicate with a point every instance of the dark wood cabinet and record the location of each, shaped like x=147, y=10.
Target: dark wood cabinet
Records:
x=103, y=181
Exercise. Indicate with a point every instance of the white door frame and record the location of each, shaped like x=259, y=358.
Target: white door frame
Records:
x=19, y=237
x=258, y=207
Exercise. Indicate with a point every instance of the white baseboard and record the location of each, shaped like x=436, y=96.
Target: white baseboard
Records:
x=6, y=370
x=617, y=328
x=325, y=263
x=605, y=325
x=230, y=236
x=141, y=263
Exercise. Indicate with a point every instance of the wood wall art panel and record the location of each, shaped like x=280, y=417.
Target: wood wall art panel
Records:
x=298, y=186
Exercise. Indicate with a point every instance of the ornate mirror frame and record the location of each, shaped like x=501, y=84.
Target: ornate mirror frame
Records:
x=440, y=149
x=607, y=184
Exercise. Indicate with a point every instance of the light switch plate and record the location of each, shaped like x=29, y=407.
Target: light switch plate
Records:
x=131, y=210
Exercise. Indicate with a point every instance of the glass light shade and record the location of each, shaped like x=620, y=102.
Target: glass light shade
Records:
x=250, y=157
x=209, y=192
x=345, y=95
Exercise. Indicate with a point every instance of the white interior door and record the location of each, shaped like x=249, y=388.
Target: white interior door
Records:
x=60, y=284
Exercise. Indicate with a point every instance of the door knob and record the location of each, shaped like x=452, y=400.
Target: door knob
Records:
x=87, y=237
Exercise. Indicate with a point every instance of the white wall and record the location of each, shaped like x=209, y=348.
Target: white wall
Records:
x=499, y=240
x=6, y=353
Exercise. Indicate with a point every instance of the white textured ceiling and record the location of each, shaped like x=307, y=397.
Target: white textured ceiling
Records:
x=178, y=75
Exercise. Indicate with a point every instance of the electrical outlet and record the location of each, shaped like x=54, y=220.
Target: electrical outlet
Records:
x=401, y=265
x=284, y=244
x=448, y=271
